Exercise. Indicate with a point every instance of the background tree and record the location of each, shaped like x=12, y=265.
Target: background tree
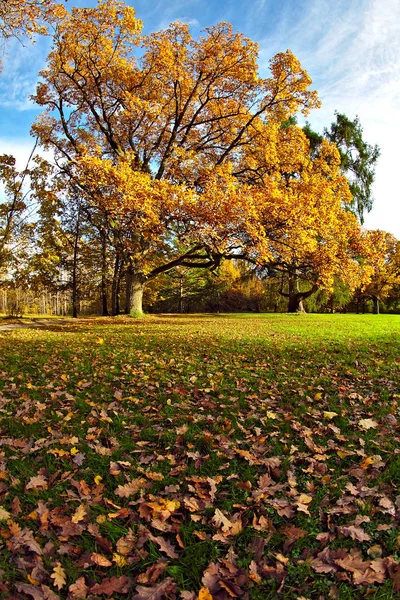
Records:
x=386, y=270
x=357, y=158
x=312, y=238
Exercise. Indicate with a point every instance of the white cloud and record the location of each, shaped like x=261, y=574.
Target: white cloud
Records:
x=19, y=77
x=352, y=51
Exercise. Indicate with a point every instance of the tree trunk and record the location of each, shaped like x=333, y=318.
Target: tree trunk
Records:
x=180, y=302
x=75, y=268
x=104, y=307
x=134, y=294
x=375, y=300
x=295, y=303
x=115, y=287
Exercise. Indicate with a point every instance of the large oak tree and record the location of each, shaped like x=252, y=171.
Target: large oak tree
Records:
x=147, y=126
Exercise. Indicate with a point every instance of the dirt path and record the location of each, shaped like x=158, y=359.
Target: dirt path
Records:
x=31, y=324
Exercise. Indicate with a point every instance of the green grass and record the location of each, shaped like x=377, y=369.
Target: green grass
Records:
x=277, y=421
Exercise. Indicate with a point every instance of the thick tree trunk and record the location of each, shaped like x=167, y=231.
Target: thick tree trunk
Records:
x=104, y=307
x=375, y=300
x=134, y=294
x=115, y=287
x=295, y=303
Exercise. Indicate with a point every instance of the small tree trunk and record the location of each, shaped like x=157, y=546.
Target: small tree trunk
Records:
x=134, y=294
x=376, y=305
x=75, y=269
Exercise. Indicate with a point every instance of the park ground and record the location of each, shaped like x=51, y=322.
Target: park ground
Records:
x=200, y=457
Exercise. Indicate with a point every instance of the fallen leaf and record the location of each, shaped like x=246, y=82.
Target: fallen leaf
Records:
x=204, y=594
x=36, y=483
x=4, y=514
x=79, y=589
x=30, y=590
x=79, y=514
x=131, y=488
x=159, y=591
x=153, y=572
x=118, y=585
x=356, y=533
x=367, y=424
x=100, y=560
x=59, y=576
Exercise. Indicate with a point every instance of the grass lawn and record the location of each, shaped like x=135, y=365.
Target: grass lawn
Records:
x=201, y=457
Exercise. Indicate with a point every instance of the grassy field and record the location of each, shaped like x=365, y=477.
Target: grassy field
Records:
x=201, y=457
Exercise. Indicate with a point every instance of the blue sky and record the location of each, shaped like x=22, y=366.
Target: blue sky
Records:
x=351, y=49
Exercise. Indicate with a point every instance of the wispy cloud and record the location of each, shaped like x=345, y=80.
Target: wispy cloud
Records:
x=20, y=73
x=352, y=51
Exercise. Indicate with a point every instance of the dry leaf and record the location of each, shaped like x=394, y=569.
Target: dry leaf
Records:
x=204, y=594
x=368, y=424
x=356, y=533
x=36, y=483
x=79, y=589
x=131, y=488
x=79, y=514
x=159, y=591
x=4, y=514
x=100, y=560
x=117, y=585
x=59, y=576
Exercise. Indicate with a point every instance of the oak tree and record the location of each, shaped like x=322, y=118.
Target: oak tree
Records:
x=144, y=137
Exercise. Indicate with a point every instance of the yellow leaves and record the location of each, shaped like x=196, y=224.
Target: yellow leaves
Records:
x=367, y=424
x=59, y=576
x=119, y=560
x=329, y=414
x=100, y=560
x=4, y=514
x=79, y=514
x=98, y=479
x=99, y=341
x=204, y=594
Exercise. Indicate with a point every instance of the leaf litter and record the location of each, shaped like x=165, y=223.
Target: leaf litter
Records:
x=153, y=467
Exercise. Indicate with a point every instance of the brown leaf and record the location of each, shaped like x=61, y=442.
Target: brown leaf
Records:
x=36, y=483
x=364, y=572
x=131, y=488
x=356, y=533
x=79, y=589
x=30, y=590
x=165, y=546
x=118, y=585
x=48, y=594
x=153, y=572
x=156, y=592
x=253, y=571
x=221, y=521
x=126, y=544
